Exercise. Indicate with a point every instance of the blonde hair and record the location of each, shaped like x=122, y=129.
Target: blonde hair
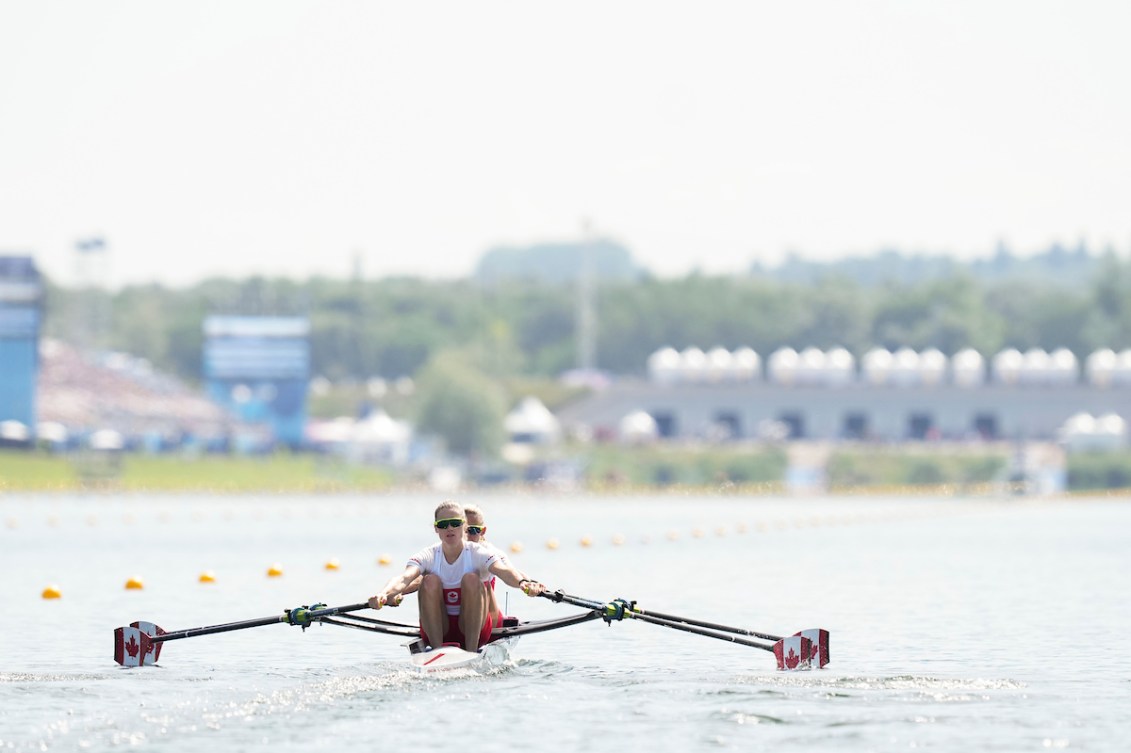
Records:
x=473, y=509
x=452, y=505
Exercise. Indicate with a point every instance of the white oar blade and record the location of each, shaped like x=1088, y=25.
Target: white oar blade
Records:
x=820, y=645
x=794, y=652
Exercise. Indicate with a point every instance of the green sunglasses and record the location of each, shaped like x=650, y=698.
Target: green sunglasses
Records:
x=449, y=523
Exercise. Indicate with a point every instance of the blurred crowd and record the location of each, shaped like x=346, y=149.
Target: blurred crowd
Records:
x=80, y=394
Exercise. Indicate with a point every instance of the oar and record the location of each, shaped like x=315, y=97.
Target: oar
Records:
x=373, y=626
x=792, y=652
x=140, y=643
x=818, y=638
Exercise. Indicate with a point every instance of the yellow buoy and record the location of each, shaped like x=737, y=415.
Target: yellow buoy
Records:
x=207, y=577
x=586, y=541
x=275, y=570
x=52, y=592
x=384, y=559
x=552, y=544
x=134, y=584
x=516, y=547
x=333, y=564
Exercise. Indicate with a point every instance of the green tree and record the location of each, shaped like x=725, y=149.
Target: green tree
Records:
x=462, y=405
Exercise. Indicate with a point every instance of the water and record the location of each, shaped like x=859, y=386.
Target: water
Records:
x=956, y=625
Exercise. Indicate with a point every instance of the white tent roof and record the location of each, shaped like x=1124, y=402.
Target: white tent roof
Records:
x=638, y=425
x=379, y=428
x=531, y=417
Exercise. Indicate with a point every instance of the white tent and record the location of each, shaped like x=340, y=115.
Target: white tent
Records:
x=107, y=440
x=531, y=422
x=380, y=438
x=14, y=432
x=638, y=427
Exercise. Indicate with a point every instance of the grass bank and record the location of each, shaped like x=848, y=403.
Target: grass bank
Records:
x=605, y=468
x=30, y=471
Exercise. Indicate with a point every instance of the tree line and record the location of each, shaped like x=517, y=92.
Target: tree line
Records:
x=394, y=327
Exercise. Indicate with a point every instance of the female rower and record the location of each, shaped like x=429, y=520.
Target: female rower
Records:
x=476, y=530
x=452, y=597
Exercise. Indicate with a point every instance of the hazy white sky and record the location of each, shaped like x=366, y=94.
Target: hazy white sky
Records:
x=282, y=137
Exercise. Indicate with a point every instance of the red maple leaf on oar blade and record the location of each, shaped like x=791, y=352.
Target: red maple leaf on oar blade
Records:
x=792, y=659
x=132, y=648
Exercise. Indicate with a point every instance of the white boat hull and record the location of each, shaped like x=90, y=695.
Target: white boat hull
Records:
x=494, y=654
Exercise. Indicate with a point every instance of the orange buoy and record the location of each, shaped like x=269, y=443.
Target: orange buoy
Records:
x=384, y=559
x=275, y=570
x=52, y=592
x=552, y=543
x=333, y=564
x=207, y=577
x=586, y=541
x=134, y=584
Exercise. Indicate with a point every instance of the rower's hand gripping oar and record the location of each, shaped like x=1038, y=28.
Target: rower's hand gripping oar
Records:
x=140, y=644
x=791, y=652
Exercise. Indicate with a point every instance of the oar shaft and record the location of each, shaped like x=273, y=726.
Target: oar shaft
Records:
x=229, y=626
x=711, y=625
x=211, y=629
x=698, y=631
x=675, y=623
x=590, y=604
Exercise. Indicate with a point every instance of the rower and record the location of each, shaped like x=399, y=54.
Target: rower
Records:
x=476, y=531
x=452, y=598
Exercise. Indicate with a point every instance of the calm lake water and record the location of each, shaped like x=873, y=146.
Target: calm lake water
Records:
x=957, y=625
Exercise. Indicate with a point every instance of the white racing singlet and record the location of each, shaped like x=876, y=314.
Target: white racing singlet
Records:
x=473, y=559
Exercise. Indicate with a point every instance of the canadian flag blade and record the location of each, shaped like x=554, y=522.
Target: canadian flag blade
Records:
x=132, y=647
x=127, y=646
x=820, y=640
x=151, y=630
x=794, y=652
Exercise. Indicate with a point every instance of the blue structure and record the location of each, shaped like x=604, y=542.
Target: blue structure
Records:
x=21, y=307
x=259, y=368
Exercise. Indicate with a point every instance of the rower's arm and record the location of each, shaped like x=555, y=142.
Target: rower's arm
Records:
x=512, y=577
x=397, y=586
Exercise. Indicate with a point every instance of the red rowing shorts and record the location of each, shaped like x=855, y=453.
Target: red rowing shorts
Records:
x=454, y=635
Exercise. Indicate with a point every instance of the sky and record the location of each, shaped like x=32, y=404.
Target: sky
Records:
x=276, y=137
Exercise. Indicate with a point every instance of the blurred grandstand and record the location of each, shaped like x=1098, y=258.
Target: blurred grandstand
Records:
x=115, y=398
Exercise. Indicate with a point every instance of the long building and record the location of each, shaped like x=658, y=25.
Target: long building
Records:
x=890, y=398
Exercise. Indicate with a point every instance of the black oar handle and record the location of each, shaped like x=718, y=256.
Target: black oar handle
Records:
x=560, y=596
